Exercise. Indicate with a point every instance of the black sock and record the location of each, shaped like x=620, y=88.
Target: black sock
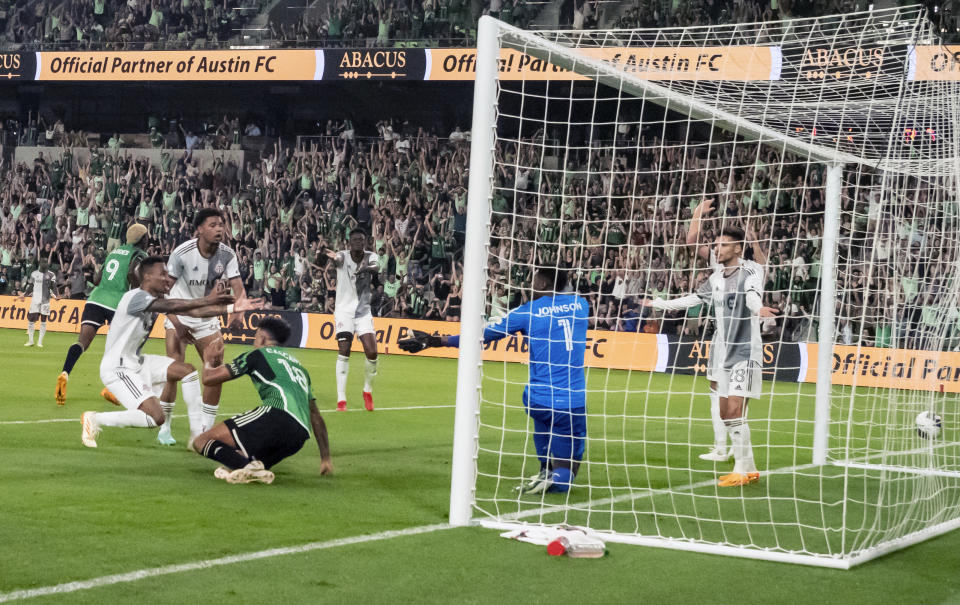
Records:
x=73, y=354
x=224, y=454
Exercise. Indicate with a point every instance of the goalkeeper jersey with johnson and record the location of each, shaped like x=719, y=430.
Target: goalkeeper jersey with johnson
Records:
x=556, y=327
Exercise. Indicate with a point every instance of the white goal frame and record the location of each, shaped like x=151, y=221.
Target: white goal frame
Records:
x=491, y=34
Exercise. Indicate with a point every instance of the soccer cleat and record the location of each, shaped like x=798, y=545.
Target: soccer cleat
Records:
x=738, y=479
x=717, y=454
x=29, y=343
x=368, y=401
x=106, y=394
x=540, y=482
x=164, y=436
x=61, y=393
x=221, y=472
x=341, y=406
x=39, y=345
x=90, y=429
x=190, y=440
x=253, y=472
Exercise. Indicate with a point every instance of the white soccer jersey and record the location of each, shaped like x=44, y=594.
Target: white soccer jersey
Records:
x=197, y=275
x=42, y=285
x=354, y=291
x=737, y=335
x=129, y=330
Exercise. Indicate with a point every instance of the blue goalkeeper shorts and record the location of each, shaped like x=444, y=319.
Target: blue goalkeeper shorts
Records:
x=565, y=429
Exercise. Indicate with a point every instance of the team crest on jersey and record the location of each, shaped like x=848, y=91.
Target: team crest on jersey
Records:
x=219, y=268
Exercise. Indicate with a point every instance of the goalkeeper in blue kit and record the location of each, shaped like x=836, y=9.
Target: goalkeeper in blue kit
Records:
x=555, y=396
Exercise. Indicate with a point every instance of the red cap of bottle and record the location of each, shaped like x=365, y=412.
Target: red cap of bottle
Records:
x=556, y=548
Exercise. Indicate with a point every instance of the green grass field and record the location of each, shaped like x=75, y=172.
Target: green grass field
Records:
x=70, y=514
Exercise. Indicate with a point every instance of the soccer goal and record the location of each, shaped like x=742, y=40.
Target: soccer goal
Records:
x=618, y=156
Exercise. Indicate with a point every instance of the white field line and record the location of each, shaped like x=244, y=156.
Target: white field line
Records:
x=331, y=410
x=152, y=572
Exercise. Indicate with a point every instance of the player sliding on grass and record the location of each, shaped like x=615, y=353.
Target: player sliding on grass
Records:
x=117, y=275
x=555, y=396
x=735, y=289
x=356, y=269
x=250, y=444
x=136, y=379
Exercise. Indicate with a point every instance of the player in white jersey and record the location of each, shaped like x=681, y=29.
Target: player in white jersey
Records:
x=44, y=285
x=356, y=269
x=719, y=452
x=198, y=265
x=735, y=289
x=135, y=379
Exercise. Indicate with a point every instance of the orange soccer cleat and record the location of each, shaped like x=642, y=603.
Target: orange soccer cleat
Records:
x=368, y=401
x=738, y=479
x=106, y=394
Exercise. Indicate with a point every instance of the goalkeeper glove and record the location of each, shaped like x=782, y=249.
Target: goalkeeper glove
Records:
x=420, y=341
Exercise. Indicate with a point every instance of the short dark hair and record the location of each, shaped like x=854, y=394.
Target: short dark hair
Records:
x=358, y=230
x=278, y=329
x=148, y=262
x=204, y=214
x=734, y=233
x=555, y=277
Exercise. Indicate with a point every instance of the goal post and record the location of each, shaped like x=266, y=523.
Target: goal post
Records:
x=616, y=157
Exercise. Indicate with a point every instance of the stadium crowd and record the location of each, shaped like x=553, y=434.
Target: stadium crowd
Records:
x=621, y=228
x=184, y=24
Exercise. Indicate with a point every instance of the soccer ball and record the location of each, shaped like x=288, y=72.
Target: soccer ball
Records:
x=928, y=425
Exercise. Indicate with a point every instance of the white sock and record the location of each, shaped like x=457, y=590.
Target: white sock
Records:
x=43, y=330
x=343, y=368
x=134, y=418
x=167, y=407
x=719, y=427
x=742, y=450
x=30, y=332
x=208, y=416
x=193, y=397
x=369, y=375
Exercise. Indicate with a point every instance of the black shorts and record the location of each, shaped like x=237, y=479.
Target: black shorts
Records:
x=95, y=315
x=267, y=434
x=32, y=317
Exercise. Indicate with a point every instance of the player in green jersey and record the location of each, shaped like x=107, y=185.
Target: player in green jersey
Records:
x=117, y=275
x=248, y=445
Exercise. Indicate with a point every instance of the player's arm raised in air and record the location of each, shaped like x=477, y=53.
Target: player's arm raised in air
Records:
x=323, y=440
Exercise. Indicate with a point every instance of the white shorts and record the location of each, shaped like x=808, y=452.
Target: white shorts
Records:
x=199, y=327
x=352, y=324
x=743, y=380
x=133, y=388
x=36, y=307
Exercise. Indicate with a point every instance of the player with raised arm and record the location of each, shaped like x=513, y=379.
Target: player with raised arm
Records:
x=198, y=265
x=250, y=444
x=356, y=268
x=735, y=289
x=719, y=452
x=117, y=275
x=555, y=395
x=44, y=287
x=136, y=379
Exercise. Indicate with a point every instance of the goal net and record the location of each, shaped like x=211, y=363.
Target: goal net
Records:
x=617, y=157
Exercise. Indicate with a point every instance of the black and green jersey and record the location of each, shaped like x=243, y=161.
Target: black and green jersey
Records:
x=113, y=276
x=279, y=378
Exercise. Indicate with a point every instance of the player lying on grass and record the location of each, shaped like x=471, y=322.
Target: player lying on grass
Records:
x=136, y=379
x=117, y=275
x=735, y=289
x=555, y=396
x=250, y=444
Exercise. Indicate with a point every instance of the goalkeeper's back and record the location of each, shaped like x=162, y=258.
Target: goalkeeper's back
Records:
x=556, y=325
